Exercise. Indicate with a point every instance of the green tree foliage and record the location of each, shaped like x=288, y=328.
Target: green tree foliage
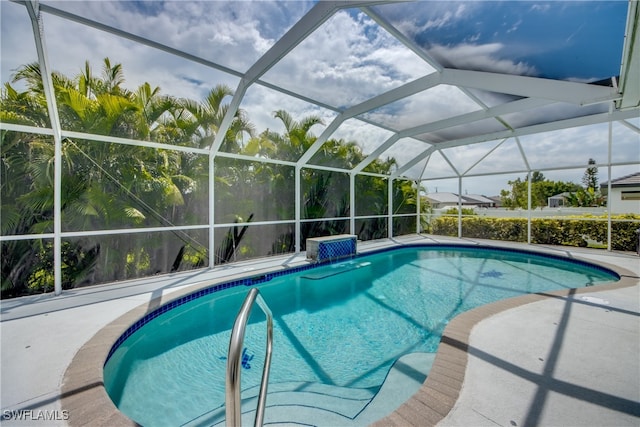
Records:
x=541, y=189
x=590, y=177
x=586, y=198
x=109, y=186
x=590, y=195
x=537, y=176
x=104, y=185
x=570, y=231
x=465, y=211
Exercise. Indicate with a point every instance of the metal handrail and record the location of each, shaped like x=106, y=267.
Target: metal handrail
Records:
x=232, y=389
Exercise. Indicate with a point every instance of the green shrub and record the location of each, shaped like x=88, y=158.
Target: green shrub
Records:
x=444, y=226
x=569, y=231
x=547, y=231
x=624, y=236
x=465, y=211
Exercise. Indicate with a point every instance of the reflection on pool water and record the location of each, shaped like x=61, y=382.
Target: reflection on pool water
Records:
x=340, y=326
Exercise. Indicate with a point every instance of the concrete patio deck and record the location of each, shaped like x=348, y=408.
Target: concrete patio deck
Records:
x=563, y=359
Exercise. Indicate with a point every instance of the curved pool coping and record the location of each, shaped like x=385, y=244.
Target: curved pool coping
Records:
x=84, y=396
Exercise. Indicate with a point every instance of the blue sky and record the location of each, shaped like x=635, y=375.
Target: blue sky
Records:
x=560, y=40
x=348, y=59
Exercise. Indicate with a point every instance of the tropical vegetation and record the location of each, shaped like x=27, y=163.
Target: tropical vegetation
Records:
x=542, y=189
x=586, y=230
x=114, y=187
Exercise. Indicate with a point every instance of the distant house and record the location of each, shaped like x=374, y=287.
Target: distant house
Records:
x=480, y=201
x=625, y=194
x=445, y=200
x=497, y=201
x=559, y=200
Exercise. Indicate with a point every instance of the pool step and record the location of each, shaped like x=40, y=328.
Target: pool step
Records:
x=298, y=403
x=323, y=389
x=404, y=379
x=305, y=403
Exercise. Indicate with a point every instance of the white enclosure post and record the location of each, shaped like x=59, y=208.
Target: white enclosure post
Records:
x=352, y=203
x=609, y=225
x=390, y=209
x=298, y=229
x=212, y=210
x=459, y=207
x=47, y=82
x=529, y=207
x=418, y=216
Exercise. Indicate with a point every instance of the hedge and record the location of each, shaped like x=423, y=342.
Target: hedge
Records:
x=569, y=231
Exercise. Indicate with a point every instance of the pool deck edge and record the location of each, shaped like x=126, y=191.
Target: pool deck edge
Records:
x=84, y=397
x=83, y=394
x=451, y=358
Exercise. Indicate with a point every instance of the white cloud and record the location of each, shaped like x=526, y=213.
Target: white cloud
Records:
x=367, y=136
x=140, y=63
x=260, y=103
x=504, y=157
x=344, y=62
x=437, y=103
x=347, y=60
x=17, y=46
x=553, y=111
x=567, y=147
x=437, y=167
x=438, y=15
x=405, y=150
x=449, y=17
x=515, y=26
x=474, y=38
x=207, y=28
x=479, y=57
x=540, y=8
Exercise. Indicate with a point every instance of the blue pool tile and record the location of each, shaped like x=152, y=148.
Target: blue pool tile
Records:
x=334, y=253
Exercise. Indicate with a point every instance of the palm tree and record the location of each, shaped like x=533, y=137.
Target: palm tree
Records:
x=208, y=116
x=297, y=137
x=104, y=185
x=26, y=193
x=117, y=186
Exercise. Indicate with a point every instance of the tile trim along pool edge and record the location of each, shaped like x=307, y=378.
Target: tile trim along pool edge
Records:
x=84, y=397
x=256, y=279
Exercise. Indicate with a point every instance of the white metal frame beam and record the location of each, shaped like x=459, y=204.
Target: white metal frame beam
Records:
x=527, y=130
x=537, y=92
x=531, y=87
x=296, y=34
x=408, y=89
x=410, y=44
x=135, y=38
x=45, y=72
x=516, y=106
x=630, y=67
x=300, y=31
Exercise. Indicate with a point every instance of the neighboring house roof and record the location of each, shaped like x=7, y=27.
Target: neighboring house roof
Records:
x=477, y=198
x=467, y=199
x=632, y=180
x=561, y=195
x=443, y=197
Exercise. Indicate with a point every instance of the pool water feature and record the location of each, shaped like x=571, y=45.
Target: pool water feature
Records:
x=338, y=329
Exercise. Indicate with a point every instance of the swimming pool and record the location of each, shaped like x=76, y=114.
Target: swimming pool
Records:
x=338, y=329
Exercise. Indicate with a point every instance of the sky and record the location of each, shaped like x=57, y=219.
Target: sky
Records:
x=350, y=59
x=550, y=39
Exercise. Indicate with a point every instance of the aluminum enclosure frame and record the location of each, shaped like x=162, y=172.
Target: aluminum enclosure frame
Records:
x=618, y=104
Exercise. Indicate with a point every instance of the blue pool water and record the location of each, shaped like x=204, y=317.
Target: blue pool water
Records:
x=340, y=325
